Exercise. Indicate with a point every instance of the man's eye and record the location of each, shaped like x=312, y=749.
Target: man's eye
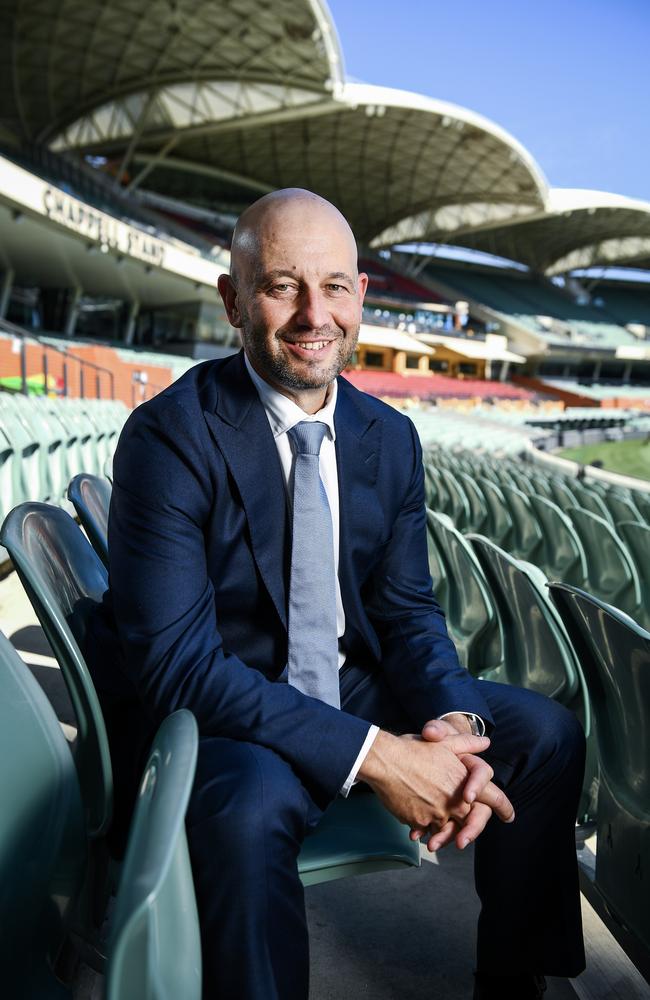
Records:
x=336, y=288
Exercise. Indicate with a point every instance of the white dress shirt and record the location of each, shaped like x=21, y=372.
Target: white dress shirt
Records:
x=283, y=414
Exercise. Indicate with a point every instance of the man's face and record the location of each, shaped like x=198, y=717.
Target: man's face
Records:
x=299, y=299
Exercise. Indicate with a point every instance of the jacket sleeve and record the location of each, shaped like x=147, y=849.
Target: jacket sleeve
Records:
x=164, y=607
x=418, y=657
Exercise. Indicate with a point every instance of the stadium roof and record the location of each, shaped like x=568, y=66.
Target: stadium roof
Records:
x=63, y=58
x=391, y=160
x=577, y=229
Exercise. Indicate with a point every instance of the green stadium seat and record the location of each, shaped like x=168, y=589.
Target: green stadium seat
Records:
x=590, y=500
x=527, y=539
x=615, y=656
x=611, y=574
x=10, y=483
x=467, y=602
x=542, y=486
x=355, y=836
x=562, y=555
x=42, y=835
x=433, y=491
x=537, y=653
x=91, y=497
x=155, y=946
x=499, y=524
x=636, y=538
x=478, y=512
x=642, y=501
x=621, y=507
x=28, y=484
x=457, y=503
x=63, y=578
x=562, y=493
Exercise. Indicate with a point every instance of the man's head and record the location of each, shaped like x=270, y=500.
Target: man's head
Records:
x=294, y=290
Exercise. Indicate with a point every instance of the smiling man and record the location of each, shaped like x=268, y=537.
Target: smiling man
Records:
x=268, y=571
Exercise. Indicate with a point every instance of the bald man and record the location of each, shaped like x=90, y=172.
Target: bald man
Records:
x=198, y=616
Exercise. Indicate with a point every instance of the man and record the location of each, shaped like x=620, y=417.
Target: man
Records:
x=227, y=602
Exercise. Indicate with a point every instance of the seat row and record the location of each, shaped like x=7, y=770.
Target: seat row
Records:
x=153, y=943
x=44, y=442
x=594, y=538
x=511, y=625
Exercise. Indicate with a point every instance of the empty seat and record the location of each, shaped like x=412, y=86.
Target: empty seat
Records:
x=611, y=574
x=562, y=555
x=467, y=603
x=499, y=523
x=562, y=493
x=636, y=538
x=527, y=537
x=91, y=498
x=64, y=578
x=155, y=946
x=621, y=507
x=478, y=512
x=42, y=834
x=591, y=500
x=615, y=656
x=457, y=505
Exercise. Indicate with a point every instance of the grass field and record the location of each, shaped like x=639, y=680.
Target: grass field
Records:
x=630, y=458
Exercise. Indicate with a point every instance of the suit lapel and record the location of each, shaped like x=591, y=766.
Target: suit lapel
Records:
x=358, y=451
x=241, y=430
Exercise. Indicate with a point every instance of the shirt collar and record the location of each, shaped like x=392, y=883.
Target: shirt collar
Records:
x=283, y=413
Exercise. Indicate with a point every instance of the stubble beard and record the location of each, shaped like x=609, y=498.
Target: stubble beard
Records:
x=283, y=371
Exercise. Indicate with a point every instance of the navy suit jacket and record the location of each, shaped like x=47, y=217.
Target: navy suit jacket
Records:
x=199, y=542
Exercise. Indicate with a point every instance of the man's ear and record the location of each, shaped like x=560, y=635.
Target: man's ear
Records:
x=228, y=293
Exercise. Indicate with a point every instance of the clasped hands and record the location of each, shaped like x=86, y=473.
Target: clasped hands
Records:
x=435, y=783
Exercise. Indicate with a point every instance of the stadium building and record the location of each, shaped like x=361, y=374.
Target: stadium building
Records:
x=509, y=317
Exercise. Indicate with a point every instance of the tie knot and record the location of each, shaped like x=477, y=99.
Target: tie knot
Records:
x=307, y=436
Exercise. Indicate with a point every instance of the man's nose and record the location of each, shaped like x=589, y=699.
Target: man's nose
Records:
x=312, y=311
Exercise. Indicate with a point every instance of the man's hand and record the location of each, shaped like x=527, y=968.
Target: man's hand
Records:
x=479, y=791
x=422, y=781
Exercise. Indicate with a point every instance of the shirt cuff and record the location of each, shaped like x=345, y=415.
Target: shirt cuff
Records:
x=361, y=756
x=470, y=715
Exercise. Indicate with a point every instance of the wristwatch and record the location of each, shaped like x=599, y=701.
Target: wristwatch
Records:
x=476, y=729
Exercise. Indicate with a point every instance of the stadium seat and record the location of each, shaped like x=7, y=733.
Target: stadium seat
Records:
x=457, y=505
x=478, y=512
x=527, y=537
x=42, y=835
x=562, y=494
x=611, y=574
x=621, y=507
x=615, y=655
x=28, y=484
x=91, y=497
x=467, y=601
x=636, y=538
x=562, y=556
x=499, y=524
x=590, y=500
x=155, y=946
x=536, y=651
x=63, y=578
x=356, y=835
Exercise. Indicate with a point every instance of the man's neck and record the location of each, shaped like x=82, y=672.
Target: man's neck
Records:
x=309, y=400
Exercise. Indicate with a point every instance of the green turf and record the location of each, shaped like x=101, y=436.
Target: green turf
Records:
x=630, y=458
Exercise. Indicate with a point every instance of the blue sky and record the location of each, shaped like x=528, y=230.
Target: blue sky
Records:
x=569, y=78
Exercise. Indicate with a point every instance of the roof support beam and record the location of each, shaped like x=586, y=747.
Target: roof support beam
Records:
x=202, y=169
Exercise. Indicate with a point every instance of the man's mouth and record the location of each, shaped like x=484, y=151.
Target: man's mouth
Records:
x=312, y=345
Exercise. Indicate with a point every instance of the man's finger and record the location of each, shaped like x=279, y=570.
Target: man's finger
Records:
x=498, y=802
x=437, y=730
x=462, y=743
x=473, y=825
x=443, y=837
x=479, y=775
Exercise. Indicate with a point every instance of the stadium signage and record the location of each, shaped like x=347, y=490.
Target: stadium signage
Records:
x=109, y=233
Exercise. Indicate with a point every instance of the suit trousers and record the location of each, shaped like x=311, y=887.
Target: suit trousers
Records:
x=249, y=814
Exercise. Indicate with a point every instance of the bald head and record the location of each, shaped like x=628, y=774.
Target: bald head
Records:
x=291, y=215
x=294, y=292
